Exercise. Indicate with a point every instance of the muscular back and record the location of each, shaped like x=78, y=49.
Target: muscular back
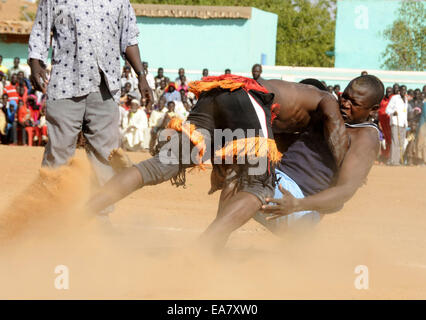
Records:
x=298, y=104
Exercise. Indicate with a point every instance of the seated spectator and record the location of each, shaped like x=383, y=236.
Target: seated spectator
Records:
x=2, y=82
x=3, y=125
x=24, y=122
x=34, y=132
x=127, y=77
x=12, y=124
x=171, y=93
x=159, y=91
x=148, y=75
x=10, y=89
x=24, y=81
x=160, y=77
x=22, y=91
x=179, y=108
x=43, y=125
x=133, y=128
x=155, y=122
x=4, y=102
x=181, y=77
x=183, y=85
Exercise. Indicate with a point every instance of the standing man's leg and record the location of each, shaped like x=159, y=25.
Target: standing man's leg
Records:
x=102, y=132
x=395, y=152
x=64, y=121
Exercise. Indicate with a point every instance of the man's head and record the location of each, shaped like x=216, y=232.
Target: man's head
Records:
x=21, y=90
x=256, y=71
x=145, y=66
x=336, y=89
x=395, y=88
x=171, y=106
x=361, y=99
x=4, y=98
x=162, y=102
x=163, y=84
x=181, y=72
x=160, y=73
x=364, y=73
x=171, y=88
x=330, y=89
x=127, y=87
x=16, y=62
x=134, y=106
x=228, y=71
x=127, y=71
x=418, y=95
x=389, y=92
x=403, y=91
x=14, y=79
x=205, y=72
x=20, y=75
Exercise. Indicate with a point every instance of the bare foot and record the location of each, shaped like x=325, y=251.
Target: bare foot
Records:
x=119, y=160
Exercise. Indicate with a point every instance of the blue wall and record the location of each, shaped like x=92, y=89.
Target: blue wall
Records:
x=215, y=44
x=359, y=42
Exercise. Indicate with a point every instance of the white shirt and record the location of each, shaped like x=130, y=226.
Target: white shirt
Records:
x=150, y=79
x=397, y=104
x=156, y=118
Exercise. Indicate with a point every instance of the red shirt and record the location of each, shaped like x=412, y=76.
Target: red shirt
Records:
x=11, y=92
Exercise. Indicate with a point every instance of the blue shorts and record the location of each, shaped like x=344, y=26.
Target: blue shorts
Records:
x=294, y=219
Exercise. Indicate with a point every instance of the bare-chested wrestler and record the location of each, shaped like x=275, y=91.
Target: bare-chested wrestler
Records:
x=232, y=102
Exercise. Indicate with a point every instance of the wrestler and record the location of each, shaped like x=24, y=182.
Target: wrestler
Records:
x=232, y=102
x=310, y=183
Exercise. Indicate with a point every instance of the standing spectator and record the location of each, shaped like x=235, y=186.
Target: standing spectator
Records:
x=3, y=69
x=205, y=72
x=84, y=87
x=181, y=77
x=43, y=125
x=421, y=137
x=17, y=68
x=148, y=75
x=395, y=88
x=127, y=78
x=227, y=71
x=155, y=122
x=415, y=108
x=10, y=89
x=397, y=110
x=256, y=71
x=160, y=77
x=336, y=91
x=384, y=123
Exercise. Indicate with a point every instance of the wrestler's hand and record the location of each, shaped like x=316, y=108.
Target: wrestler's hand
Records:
x=284, y=206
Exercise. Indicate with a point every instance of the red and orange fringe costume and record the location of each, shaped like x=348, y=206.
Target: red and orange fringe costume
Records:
x=253, y=146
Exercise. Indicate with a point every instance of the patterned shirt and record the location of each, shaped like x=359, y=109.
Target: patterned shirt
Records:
x=88, y=38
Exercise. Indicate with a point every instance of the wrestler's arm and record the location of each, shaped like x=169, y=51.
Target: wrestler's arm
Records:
x=353, y=172
x=334, y=128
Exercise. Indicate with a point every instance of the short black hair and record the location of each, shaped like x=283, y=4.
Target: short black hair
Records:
x=314, y=82
x=256, y=65
x=374, y=83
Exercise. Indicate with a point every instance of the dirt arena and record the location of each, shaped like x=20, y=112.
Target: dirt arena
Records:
x=151, y=253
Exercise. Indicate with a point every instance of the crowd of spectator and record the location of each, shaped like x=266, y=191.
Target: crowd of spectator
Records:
x=400, y=116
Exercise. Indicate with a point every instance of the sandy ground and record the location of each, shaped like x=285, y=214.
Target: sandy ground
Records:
x=150, y=252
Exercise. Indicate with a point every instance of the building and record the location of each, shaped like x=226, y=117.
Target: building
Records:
x=193, y=37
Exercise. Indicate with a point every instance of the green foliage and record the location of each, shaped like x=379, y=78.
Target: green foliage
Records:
x=305, y=28
x=407, y=36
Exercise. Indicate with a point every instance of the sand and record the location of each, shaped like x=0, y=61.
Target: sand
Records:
x=150, y=250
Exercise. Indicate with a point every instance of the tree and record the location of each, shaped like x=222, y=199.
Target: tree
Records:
x=305, y=32
x=407, y=36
